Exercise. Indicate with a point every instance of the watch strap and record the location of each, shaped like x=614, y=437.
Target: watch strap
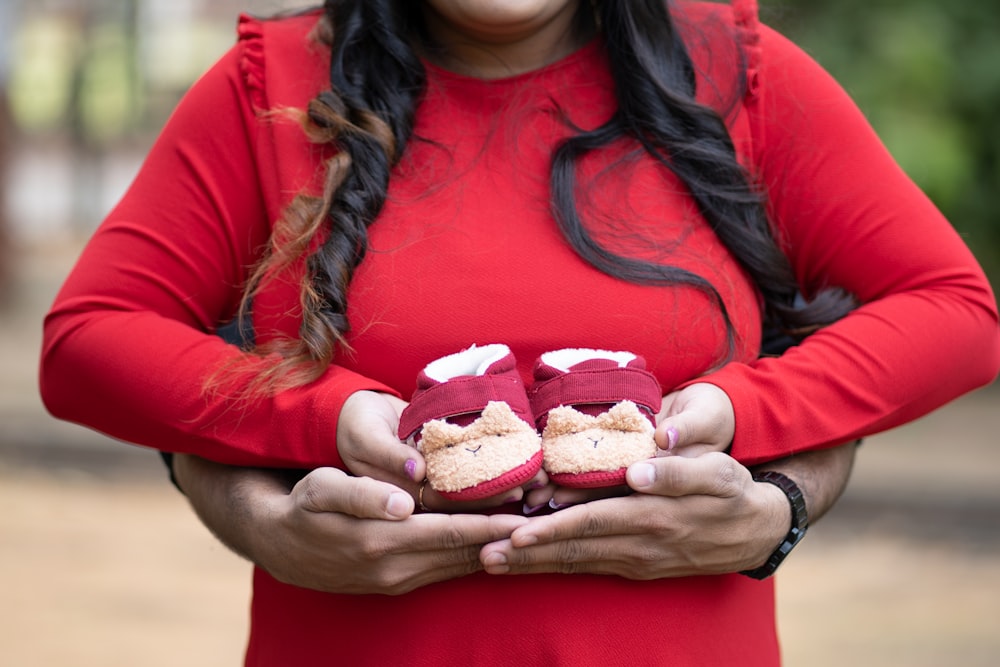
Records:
x=800, y=523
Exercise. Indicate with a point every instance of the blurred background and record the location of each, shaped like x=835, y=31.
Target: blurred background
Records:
x=101, y=561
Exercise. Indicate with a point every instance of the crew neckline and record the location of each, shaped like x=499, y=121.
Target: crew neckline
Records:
x=583, y=53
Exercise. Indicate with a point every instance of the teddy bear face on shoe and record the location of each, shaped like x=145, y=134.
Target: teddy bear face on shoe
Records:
x=478, y=426
x=471, y=419
x=596, y=410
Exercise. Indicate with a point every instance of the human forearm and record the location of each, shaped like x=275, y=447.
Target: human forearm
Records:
x=822, y=475
x=130, y=345
x=805, y=488
x=230, y=501
x=97, y=370
x=849, y=217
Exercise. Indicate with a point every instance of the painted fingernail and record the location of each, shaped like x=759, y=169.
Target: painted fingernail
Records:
x=513, y=498
x=536, y=485
x=642, y=475
x=411, y=469
x=672, y=437
x=528, y=510
x=558, y=506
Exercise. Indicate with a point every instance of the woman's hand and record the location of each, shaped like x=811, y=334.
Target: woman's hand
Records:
x=693, y=516
x=369, y=446
x=333, y=532
x=695, y=420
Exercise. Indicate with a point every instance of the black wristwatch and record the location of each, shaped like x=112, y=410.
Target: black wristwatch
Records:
x=800, y=522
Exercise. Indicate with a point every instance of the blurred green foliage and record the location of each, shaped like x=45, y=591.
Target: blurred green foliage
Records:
x=927, y=75
x=106, y=80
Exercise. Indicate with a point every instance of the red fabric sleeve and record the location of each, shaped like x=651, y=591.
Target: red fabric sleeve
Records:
x=848, y=216
x=128, y=343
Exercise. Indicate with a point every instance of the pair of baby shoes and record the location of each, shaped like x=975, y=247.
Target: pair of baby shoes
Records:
x=587, y=416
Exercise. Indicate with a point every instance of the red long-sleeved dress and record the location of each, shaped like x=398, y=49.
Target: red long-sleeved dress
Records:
x=466, y=251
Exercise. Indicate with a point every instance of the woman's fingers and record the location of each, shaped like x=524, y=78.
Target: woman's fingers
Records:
x=369, y=445
x=435, y=502
x=593, y=519
x=699, y=416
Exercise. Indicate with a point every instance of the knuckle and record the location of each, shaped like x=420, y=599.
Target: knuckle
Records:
x=594, y=524
x=401, y=588
x=372, y=547
x=568, y=557
x=356, y=499
x=569, y=567
x=451, y=564
x=389, y=582
x=728, y=478
x=470, y=561
x=674, y=476
x=373, y=551
x=308, y=492
x=647, y=557
x=452, y=538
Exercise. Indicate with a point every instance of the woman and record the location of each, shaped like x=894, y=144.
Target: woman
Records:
x=545, y=174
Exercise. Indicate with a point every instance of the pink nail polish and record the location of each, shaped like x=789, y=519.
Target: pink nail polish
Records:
x=528, y=510
x=411, y=468
x=672, y=437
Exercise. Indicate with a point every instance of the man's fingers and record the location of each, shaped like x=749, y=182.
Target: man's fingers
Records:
x=368, y=442
x=455, y=531
x=447, y=540
x=332, y=490
x=597, y=519
x=397, y=462
x=607, y=555
x=713, y=474
x=382, y=453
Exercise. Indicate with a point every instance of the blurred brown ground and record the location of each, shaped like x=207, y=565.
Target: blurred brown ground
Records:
x=103, y=564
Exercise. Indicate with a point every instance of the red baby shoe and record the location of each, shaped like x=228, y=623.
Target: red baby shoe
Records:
x=471, y=419
x=596, y=410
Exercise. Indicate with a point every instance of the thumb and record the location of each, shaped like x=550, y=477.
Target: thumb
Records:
x=684, y=432
x=701, y=414
x=332, y=490
x=714, y=474
x=369, y=445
